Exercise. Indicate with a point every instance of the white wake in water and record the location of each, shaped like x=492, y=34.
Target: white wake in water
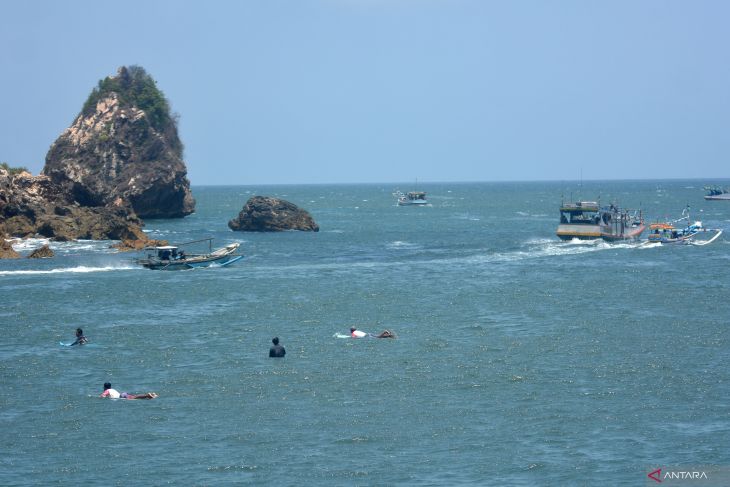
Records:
x=71, y=270
x=73, y=247
x=531, y=249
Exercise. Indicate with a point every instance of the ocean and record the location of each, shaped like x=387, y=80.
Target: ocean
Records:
x=520, y=359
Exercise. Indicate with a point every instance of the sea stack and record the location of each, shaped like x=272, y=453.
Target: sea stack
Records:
x=123, y=149
x=267, y=214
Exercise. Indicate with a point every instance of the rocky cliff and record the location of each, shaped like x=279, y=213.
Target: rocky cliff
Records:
x=266, y=214
x=123, y=150
x=35, y=205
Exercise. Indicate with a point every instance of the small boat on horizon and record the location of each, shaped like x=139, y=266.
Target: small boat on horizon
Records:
x=588, y=220
x=668, y=233
x=173, y=257
x=717, y=193
x=412, y=198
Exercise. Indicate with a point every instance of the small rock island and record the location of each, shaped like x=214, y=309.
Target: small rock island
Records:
x=267, y=214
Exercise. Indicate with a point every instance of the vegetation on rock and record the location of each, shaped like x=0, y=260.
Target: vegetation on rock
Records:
x=13, y=170
x=134, y=87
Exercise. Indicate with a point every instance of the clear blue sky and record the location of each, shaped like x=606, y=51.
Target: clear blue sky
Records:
x=325, y=91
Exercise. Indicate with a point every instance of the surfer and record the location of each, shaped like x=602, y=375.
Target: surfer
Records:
x=115, y=394
x=355, y=333
x=80, y=338
x=276, y=350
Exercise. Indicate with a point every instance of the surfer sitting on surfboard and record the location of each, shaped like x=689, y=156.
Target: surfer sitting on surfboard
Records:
x=80, y=338
x=115, y=394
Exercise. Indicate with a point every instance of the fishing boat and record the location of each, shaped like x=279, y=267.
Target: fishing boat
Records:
x=717, y=193
x=588, y=220
x=172, y=258
x=412, y=198
x=669, y=233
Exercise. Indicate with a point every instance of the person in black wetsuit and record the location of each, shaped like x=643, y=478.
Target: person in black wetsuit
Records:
x=276, y=350
x=80, y=338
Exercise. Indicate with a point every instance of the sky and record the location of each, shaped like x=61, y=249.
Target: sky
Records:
x=355, y=91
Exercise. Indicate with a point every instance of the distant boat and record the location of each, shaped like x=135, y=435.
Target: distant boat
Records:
x=717, y=193
x=669, y=233
x=172, y=258
x=417, y=198
x=587, y=220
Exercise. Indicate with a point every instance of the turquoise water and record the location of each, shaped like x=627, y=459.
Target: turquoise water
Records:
x=521, y=360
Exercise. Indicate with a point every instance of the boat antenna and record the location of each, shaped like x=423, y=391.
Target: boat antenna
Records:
x=580, y=184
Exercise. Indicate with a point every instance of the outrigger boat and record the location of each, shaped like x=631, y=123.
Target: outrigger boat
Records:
x=668, y=233
x=717, y=193
x=171, y=257
x=588, y=220
x=417, y=198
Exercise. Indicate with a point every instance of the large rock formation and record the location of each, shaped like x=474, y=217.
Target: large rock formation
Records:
x=266, y=214
x=123, y=149
x=34, y=205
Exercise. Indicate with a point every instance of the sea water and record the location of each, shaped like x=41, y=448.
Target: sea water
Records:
x=520, y=359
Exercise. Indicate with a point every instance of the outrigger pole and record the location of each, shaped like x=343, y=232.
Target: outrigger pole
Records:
x=209, y=240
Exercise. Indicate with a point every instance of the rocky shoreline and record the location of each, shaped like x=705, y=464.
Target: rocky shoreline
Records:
x=120, y=161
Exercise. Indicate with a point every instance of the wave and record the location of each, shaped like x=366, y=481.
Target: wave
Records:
x=73, y=270
x=467, y=216
x=30, y=244
x=651, y=245
x=398, y=244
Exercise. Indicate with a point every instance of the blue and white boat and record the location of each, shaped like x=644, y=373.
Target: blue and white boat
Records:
x=669, y=233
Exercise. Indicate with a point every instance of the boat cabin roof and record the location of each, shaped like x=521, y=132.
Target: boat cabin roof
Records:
x=580, y=206
x=661, y=226
x=165, y=247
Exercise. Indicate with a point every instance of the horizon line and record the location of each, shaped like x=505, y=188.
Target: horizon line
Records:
x=404, y=183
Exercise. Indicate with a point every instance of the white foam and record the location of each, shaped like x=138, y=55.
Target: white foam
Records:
x=650, y=245
x=29, y=243
x=398, y=244
x=73, y=270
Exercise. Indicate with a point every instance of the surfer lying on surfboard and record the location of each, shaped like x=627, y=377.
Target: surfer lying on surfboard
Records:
x=115, y=394
x=355, y=333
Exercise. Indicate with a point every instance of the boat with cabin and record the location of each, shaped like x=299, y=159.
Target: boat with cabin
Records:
x=173, y=257
x=588, y=220
x=669, y=233
x=717, y=193
x=412, y=198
